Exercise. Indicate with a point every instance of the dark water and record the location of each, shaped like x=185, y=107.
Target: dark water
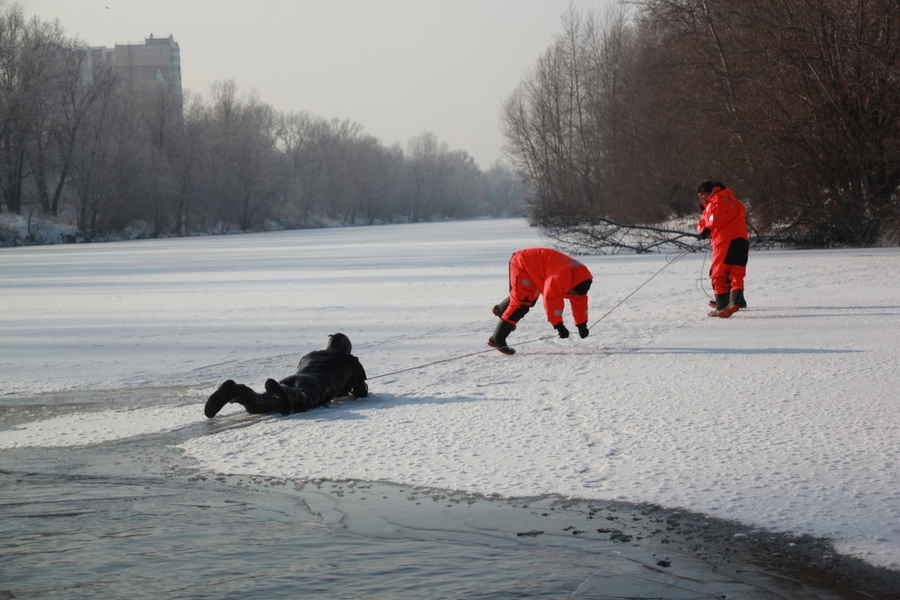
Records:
x=135, y=519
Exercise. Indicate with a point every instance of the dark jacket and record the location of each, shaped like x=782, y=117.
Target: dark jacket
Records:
x=323, y=375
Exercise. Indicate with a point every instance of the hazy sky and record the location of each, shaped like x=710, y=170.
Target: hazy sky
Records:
x=398, y=67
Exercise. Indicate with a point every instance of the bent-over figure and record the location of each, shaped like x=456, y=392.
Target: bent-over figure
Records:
x=535, y=272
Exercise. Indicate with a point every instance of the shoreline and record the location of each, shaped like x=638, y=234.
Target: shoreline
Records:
x=668, y=545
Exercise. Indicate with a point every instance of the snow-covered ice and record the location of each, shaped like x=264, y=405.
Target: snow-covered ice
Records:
x=784, y=416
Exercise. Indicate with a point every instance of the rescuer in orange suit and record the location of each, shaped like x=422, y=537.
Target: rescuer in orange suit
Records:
x=537, y=271
x=724, y=222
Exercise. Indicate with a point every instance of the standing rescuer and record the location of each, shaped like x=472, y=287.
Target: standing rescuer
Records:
x=724, y=222
x=537, y=271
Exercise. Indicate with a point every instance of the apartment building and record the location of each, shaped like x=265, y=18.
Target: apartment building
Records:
x=140, y=67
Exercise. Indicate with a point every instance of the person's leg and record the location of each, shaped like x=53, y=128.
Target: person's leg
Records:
x=265, y=403
x=736, y=259
x=219, y=398
x=737, y=274
x=733, y=298
x=500, y=307
x=720, y=292
x=498, y=339
x=719, y=279
x=295, y=394
x=515, y=310
x=241, y=394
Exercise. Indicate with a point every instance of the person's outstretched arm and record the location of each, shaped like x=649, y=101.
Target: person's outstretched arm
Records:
x=359, y=388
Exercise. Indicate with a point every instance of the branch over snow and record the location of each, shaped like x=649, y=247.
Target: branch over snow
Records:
x=604, y=235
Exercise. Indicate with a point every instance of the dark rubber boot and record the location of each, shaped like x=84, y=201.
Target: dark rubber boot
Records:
x=740, y=301
x=220, y=398
x=732, y=305
x=498, y=340
x=253, y=403
x=500, y=307
x=721, y=304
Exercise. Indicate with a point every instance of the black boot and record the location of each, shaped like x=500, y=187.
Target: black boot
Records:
x=733, y=305
x=219, y=398
x=500, y=307
x=253, y=403
x=498, y=340
x=738, y=298
x=721, y=304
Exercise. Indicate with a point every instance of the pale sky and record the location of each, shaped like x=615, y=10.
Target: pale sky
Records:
x=398, y=67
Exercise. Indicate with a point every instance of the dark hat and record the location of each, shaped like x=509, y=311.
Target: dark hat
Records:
x=338, y=342
x=709, y=186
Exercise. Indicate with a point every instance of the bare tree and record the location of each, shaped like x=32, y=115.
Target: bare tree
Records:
x=569, y=128
x=424, y=154
x=136, y=159
x=807, y=93
x=69, y=103
x=28, y=49
x=109, y=167
x=159, y=106
x=794, y=102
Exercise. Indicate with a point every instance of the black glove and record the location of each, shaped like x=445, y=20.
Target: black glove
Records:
x=561, y=330
x=703, y=235
x=583, y=330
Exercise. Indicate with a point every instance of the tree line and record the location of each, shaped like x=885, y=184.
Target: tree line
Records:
x=107, y=158
x=795, y=104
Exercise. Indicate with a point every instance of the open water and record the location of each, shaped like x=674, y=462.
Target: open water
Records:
x=136, y=519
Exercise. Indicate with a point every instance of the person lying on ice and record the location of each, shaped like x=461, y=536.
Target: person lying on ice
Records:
x=536, y=271
x=321, y=376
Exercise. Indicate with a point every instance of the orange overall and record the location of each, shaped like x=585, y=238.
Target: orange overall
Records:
x=726, y=218
x=536, y=271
